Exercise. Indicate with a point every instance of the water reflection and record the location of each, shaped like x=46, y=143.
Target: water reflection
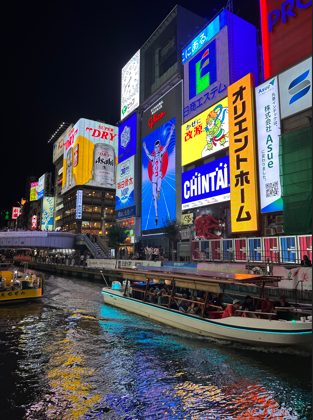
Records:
x=72, y=357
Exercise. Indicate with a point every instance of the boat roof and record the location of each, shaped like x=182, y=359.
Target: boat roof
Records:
x=194, y=275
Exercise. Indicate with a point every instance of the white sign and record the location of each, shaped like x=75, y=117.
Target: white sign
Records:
x=79, y=204
x=268, y=123
x=295, y=88
x=130, y=87
x=41, y=186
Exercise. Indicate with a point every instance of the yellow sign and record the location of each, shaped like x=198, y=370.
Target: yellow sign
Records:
x=187, y=219
x=205, y=134
x=244, y=205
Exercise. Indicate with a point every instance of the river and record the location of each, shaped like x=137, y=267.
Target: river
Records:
x=72, y=357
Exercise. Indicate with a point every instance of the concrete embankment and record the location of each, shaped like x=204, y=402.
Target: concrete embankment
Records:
x=110, y=274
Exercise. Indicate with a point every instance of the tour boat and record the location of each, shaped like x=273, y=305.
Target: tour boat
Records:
x=253, y=328
x=16, y=286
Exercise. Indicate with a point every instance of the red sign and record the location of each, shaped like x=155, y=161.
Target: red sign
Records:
x=286, y=33
x=34, y=222
x=154, y=118
x=16, y=211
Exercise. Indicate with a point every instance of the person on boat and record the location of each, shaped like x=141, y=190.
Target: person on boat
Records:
x=247, y=304
x=287, y=315
x=218, y=300
x=193, y=309
x=267, y=305
x=231, y=308
x=306, y=262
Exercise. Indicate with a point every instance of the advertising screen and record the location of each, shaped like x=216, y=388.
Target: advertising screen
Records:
x=158, y=177
x=295, y=88
x=127, y=138
x=125, y=184
x=59, y=145
x=41, y=186
x=90, y=150
x=33, y=196
x=242, y=152
x=286, y=34
x=206, y=184
x=268, y=129
x=47, y=213
x=205, y=134
x=130, y=86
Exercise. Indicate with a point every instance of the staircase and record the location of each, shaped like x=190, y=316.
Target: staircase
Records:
x=94, y=248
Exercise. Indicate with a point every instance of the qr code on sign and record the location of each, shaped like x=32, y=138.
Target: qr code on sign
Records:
x=271, y=189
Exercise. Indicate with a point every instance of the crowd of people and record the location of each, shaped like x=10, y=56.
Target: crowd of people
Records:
x=217, y=305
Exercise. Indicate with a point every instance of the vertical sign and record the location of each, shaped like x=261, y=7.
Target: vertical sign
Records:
x=34, y=222
x=268, y=123
x=243, y=173
x=79, y=204
x=16, y=211
x=47, y=213
x=130, y=86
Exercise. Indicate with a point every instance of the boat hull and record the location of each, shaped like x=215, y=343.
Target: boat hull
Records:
x=247, y=330
x=20, y=295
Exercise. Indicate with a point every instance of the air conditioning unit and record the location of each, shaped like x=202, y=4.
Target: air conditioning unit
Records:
x=269, y=231
x=280, y=229
x=280, y=219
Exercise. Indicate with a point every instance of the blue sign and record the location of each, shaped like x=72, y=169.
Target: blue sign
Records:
x=205, y=36
x=159, y=177
x=125, y=213
x=125, y=184
x=288, y=249
x=206, y=184
x=255, y=249
x=79, y=204
x=127, y=135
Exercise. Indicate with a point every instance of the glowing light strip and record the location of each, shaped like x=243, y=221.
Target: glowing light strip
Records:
x=265, y=39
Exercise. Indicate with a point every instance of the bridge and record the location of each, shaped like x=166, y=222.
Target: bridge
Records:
x=52, y=240
x=36, y=239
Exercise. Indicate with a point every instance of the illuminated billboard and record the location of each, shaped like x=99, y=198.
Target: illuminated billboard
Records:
x=206, y=184
x=41, y=186
x=159, y=177
x=295, y=89
x=127, y=137
x=268, y=129
x=79, y=204
x=222, y=53
x=16, y=211
x=242, y=154
x=33, y=196
x=47, y=213
x=58, y=146
x=205, y=134
x=90, y=150
x=125, y=184
x=130, y=86
x=286, y=34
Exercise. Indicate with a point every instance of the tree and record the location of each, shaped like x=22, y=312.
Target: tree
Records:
x=116, y=236
x=172, y=230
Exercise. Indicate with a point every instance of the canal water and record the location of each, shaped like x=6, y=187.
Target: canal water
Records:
x=73, y=357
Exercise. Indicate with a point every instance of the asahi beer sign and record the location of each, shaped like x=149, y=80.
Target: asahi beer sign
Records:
x=268, y=129
x=206, y=184
x=130, y=85
x=89, y=155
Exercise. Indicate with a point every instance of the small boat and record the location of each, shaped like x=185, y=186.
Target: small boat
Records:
x=16, y=286
x=255, y=327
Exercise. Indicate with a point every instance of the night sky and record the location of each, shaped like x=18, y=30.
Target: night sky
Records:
x=62, y=61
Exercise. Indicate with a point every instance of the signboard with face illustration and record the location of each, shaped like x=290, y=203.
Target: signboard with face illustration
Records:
x=205, y=134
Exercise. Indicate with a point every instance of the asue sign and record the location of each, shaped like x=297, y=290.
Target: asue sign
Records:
x=268, y=130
